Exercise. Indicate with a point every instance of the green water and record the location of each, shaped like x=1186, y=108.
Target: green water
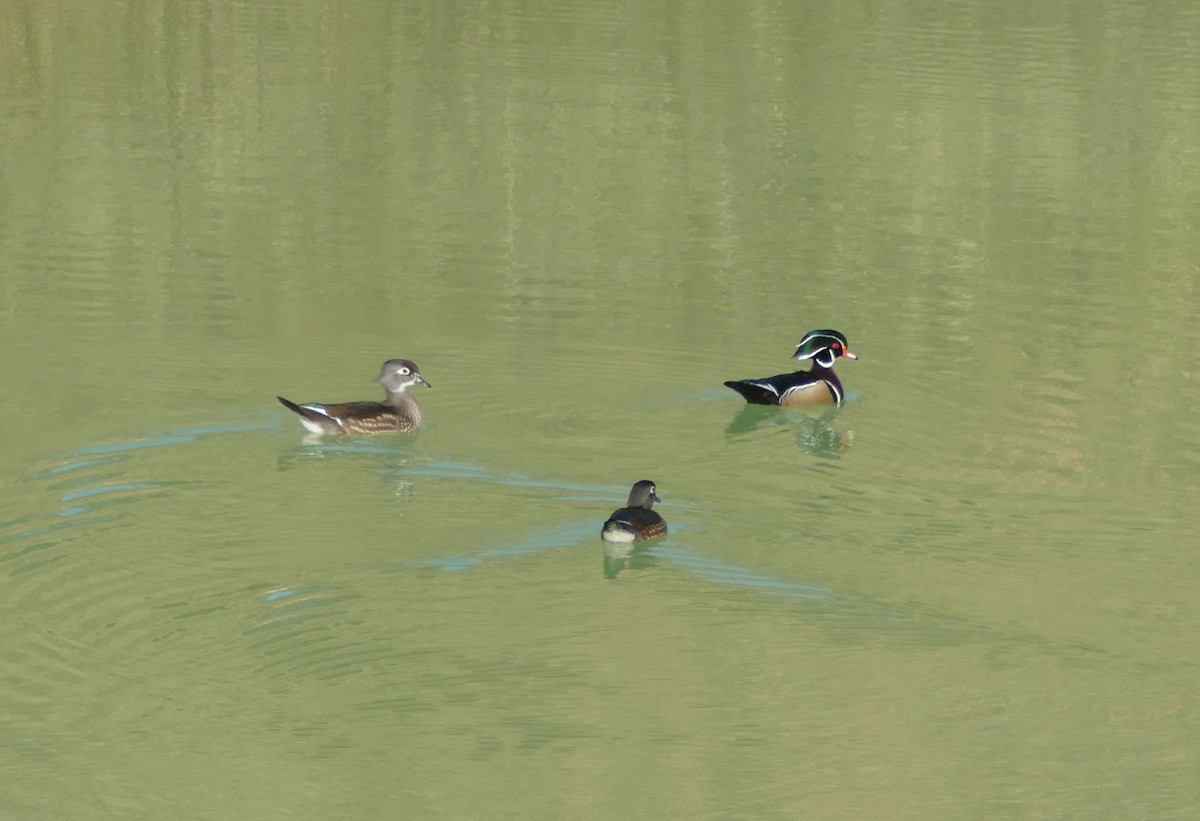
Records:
x=970, y=593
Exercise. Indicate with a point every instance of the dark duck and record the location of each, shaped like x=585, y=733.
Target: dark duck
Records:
x=819, y=385
x=636, y=521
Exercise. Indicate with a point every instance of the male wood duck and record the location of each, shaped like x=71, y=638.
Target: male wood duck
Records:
x=817, y=386
x=398, y=413
x=636, y=521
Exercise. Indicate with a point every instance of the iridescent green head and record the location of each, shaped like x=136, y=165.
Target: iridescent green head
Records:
x=823, y=346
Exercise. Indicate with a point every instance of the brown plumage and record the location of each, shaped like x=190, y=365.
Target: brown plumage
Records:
x=636, y=521
x=397, y=413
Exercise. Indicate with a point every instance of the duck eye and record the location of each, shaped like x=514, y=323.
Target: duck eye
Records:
x=404, y=370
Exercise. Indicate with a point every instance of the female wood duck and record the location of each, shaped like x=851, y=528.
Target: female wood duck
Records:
x=817, y=386
x=636, y=521
x=398, y=413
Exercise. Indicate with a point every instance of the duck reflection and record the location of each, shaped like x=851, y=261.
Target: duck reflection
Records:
x=622, y=556
x=815, y=434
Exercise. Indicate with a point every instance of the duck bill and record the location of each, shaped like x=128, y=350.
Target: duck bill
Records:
x=846, y=352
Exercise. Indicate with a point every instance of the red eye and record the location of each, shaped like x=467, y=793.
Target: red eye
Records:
x=836, y=345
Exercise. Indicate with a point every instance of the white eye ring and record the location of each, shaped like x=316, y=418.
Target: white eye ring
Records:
x=404, y=370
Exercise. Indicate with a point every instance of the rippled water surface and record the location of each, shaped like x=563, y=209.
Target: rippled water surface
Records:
x=968, y=593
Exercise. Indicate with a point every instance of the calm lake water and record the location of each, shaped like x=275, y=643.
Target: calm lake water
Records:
x=970, y=593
